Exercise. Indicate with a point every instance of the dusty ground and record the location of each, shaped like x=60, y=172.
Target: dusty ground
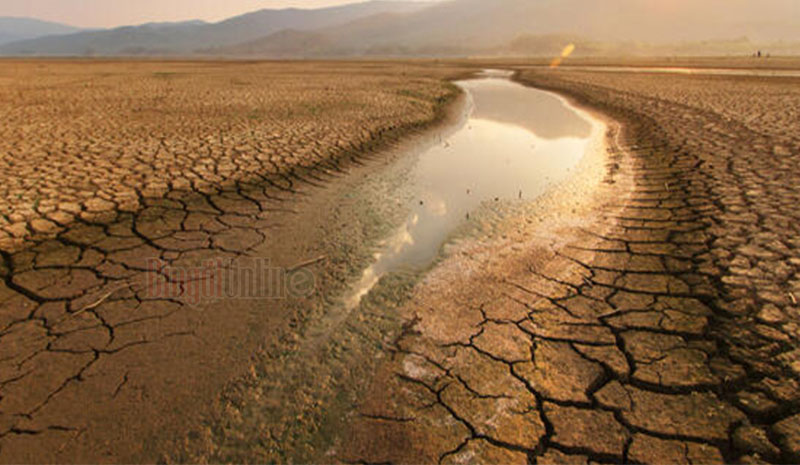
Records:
x=653, y=322
x=88, y=139
x=645, y=312
x=106, y=165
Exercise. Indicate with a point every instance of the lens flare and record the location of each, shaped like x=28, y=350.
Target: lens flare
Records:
x=564, y=54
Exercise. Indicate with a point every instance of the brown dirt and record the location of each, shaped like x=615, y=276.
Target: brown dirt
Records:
x=645, y=315
x=85, y=140
x=652, y=322
x=183, y=162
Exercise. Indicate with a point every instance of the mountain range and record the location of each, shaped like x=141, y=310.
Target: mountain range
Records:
x=451, y=28
x=185, y=38
x=19, y=29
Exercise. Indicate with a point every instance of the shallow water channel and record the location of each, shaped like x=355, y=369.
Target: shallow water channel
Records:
x=381, y=227
x=515, y=143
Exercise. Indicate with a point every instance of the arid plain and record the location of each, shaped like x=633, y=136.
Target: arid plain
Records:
x=649, y=314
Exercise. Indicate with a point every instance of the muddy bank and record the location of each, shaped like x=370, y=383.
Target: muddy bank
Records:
x=299, y=385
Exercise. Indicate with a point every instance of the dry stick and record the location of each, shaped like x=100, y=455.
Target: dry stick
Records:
x=72, y=315
x=308, y=263
x=794, y=299
x=101, y=300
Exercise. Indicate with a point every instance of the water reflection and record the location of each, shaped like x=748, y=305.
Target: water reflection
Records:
x=516, y=142
x=539, y=112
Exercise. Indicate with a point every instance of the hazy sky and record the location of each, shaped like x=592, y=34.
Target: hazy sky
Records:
x=109, y=13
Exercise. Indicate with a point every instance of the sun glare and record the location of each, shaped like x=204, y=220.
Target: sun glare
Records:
x=565, y=53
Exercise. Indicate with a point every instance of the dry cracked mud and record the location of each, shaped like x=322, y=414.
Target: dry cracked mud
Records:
x=654, y=320
x=654, y=323
x=86, y=140
x=108, y=166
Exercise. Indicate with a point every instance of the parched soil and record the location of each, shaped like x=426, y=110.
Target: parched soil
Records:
x=107, y=166
x=655, y=321
x=86, y=140
x=647, y=314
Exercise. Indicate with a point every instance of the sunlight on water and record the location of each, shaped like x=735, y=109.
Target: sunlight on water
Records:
x=516, y=143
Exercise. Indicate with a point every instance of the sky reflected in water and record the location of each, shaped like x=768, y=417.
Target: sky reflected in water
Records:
x=516, y=143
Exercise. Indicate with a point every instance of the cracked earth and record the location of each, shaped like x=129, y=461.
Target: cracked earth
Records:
x=655, y=320
x=656, y=324
x=86, y=141
x=108, y=165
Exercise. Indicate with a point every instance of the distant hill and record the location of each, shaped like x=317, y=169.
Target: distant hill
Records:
x=288, y=43
x=467, y=27
x=457, y=28
x=16, y=29
x=190, y=37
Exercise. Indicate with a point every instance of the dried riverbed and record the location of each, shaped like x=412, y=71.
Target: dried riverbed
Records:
x=642, y=309
x=459, y=182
